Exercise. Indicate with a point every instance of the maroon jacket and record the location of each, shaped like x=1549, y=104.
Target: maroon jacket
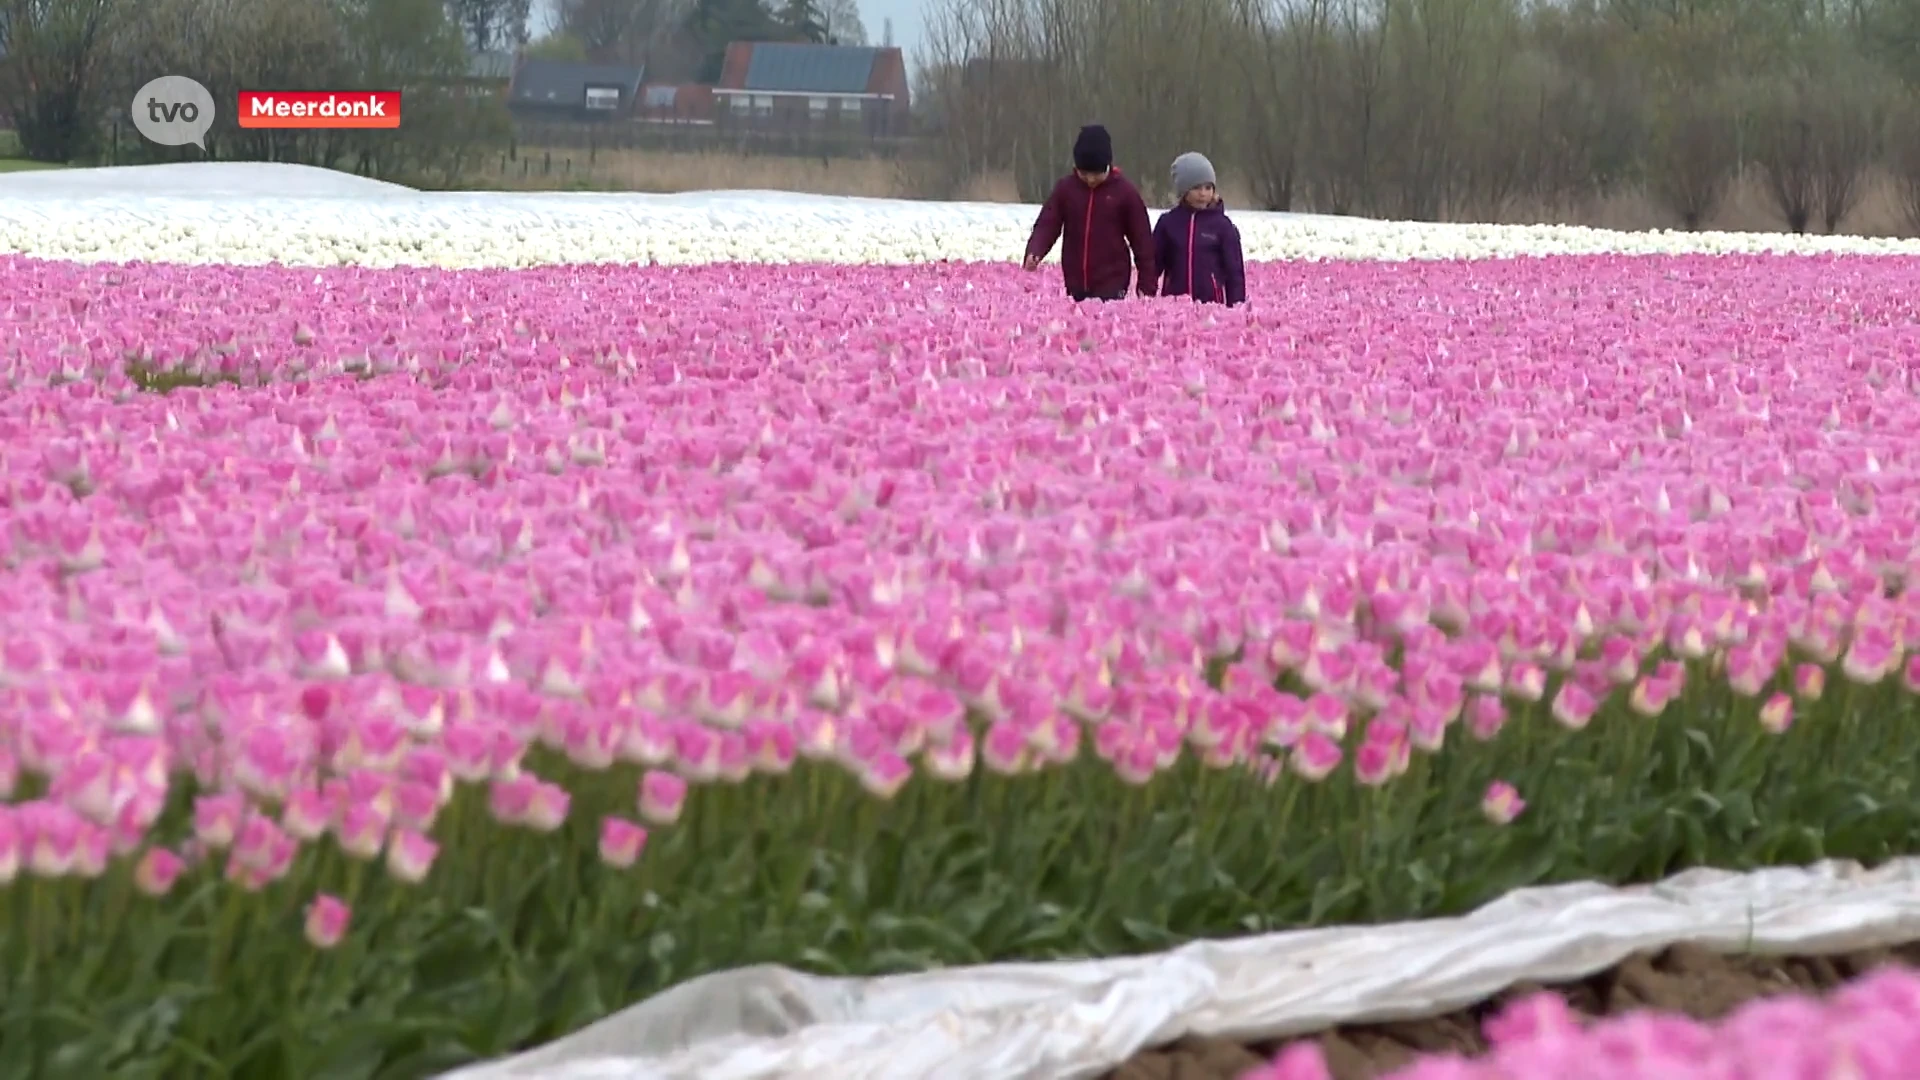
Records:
x=1100, y=225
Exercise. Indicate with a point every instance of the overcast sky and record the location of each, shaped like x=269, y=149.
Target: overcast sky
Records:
x=906, y=16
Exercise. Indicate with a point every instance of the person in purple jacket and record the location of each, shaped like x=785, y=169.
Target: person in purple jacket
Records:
x=1196, y=245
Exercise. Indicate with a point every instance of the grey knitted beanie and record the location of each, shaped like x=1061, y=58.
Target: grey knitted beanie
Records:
x=1190, y=170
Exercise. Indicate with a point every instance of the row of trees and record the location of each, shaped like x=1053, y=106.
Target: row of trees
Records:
x=1448, y=109
x=686, y=40
x=68, y=67
x=71, y=66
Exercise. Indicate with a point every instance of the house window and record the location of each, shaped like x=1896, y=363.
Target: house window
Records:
x=817, y=108
x=603, y=98
x=763, y=104
x=661, y=97
x=741, y=104
x=851, y=111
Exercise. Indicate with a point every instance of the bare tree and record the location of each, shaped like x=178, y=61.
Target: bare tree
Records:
x=1903, y=159
x=842, y=20
x=55, y=51
x=1786, y=150
x=631, y=31
x=1693, y=154
x=1851, y=127
x=1276, y=68
x=491, y=25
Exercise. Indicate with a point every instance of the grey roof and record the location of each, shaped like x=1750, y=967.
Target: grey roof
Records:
x=556, y=82
x=490, y=65
x=816, y=69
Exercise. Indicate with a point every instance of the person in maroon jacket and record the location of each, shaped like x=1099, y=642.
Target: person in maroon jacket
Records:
x=1102, y=216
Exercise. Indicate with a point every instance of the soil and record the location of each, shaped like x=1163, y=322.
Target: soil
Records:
x=1684, y=979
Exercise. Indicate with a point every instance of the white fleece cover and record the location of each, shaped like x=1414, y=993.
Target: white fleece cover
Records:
x=1070, y=1020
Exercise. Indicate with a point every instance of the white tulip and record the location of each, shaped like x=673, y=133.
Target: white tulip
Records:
x=385, y=227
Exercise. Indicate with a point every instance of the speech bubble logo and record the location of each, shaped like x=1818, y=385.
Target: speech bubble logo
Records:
x=173, y=110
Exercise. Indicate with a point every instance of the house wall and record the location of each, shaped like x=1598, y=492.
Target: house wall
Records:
x=890, y=77
x=867, y=116
x=693, y=103
x=733, y=67
x=569, y=114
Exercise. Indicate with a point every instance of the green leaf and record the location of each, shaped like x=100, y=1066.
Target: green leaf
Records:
x=857, y=882
x=1147, y=934
x=437, y=1057
x=1330, y=895
x=821, y=961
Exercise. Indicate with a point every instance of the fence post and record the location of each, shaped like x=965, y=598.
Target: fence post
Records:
x=546, y=164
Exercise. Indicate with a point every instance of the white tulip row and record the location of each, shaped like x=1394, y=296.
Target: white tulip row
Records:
x=248, y=218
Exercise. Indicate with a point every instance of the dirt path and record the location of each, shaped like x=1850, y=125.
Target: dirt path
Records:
x=1683, y=978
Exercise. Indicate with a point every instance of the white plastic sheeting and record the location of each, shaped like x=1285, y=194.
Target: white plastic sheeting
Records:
x=1068, y=1020
x=199, y=180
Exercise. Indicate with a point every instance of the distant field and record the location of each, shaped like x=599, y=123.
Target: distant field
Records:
x=10, y=159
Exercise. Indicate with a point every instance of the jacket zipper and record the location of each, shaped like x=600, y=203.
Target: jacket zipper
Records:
x=1086, y=245
x=1192, y=286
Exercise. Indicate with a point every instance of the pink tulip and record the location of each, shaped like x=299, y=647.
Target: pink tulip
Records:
x=951, y=761
x=362, y=830
x=10, y=845
x=1486, y=715
x=1298, y=1061
x=410, y=856
x=1373, y=763
x=327, y=919
x=415, y=806
x=157, y=871
x=648, y=742
x=510, y=801
x=1809, y=682
x=1869, y=657
x=1315, y=757
x=621, y=842
x=1327, y=715
x=1005, y=750
x=1651, y=696
x=469, y=749
x=216, y=818
x=885, y=774
x=1776, y=716
x=547, y=809
x=772, y=746
x=1573, y=706
x=662, y=797
x=1526, y=682
x=1502, y=803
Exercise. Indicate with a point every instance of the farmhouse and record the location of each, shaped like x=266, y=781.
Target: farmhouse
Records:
x=560, y=90
x=780, y=85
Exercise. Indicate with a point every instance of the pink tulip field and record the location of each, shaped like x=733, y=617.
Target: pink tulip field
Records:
x=403, y=667
x=1868, y=1031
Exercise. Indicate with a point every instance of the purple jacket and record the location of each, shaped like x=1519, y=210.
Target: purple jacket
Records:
x=1198, y=252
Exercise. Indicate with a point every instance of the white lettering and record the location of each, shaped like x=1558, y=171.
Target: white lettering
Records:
x=333, y=106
